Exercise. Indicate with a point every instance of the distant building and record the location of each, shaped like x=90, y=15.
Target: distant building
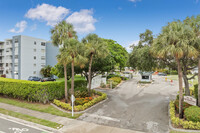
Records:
x=146, y=76
x=24, y=56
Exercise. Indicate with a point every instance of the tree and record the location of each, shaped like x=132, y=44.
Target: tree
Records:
x=61, y=33
x=141, y=57
x=64, y=59
x=95, y=46
x=75, y=50
x=117, y=52
x=46, y=71
x=174, y=41
x=194, y=23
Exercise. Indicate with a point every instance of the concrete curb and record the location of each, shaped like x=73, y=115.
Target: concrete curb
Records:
x=30, y=124
x=79, y=111
x=177, y=129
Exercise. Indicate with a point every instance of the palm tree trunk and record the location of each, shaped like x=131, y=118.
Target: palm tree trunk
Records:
x=187, y=88
x=72, y=82
x=66, y=91
x=198, y=83
x=180, y=89
x=90, y=71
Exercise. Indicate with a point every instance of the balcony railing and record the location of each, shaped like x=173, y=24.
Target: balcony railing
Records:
x=1, y=54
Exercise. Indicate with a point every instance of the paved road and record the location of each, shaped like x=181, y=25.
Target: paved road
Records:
x=141, y=108
x=9, y=126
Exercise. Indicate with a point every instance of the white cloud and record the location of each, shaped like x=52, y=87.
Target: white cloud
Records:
x=33, y=27
x=83, y=21
x=48, y=13
x=135, y=0
x=19, y=27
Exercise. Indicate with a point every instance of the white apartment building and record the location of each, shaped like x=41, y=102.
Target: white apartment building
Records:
x=23, y=56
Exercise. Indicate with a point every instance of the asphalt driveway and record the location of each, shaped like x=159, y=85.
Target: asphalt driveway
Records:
x=136, y=107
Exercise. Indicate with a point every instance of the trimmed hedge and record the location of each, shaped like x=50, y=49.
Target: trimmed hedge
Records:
x=193, y=114
x=180, y=122
x=66, y=106
x=34, y=91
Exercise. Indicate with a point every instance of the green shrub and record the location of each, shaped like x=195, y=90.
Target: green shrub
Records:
x=31, y=91
x=78, y=83
x=81, y=92
x=181, y=123
x=35, y=91
x=116, y=79
x=102, y=85
x=86, y=105
x=112, y=75
x=114, y=84
x=193, y=114
x=185, y=105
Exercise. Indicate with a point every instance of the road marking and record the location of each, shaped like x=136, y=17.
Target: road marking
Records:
x=102, y=117
x=23, y=124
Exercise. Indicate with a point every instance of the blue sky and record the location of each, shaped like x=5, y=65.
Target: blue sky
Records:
x=120, y=20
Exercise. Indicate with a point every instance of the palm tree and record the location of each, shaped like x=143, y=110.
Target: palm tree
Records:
x=195, y=25
x=95, y=46
x=75, y=50
x=174, y=41
x=61, y=32
x=64, y=59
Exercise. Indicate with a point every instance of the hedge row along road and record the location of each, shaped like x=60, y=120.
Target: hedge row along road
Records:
x=141, y=108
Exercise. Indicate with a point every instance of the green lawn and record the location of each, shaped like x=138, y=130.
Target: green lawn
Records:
x=182, y=132
x=31, y=119
x=47, y=108
x=75, y=77
x=175, y=77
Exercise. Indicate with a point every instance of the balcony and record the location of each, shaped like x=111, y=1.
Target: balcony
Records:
x=1, y=47
x=1, y=54
x=1, y=68
x=1, y=61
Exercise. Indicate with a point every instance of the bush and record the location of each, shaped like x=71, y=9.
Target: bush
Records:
x=185, y=105
x=78, y=83
x=31, y=91
x=81, y=92
x=193, y=114
x=102, y=85
x=181, y=123
x=35, y=91
x=82, y=101
x=66, y=106
x=112, y=75
x=116, y=79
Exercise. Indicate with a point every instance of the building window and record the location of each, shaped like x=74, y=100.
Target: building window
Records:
x=43, y=50
x=7, y=43
x=34, y=50
x=6, y=64
x=43, y=58
x=16, y=65
x=16, y=56
x=34, y=65
x=35, y=42
x=34, y=57
x=43, y=43
x=34, y=72
x=16, y=41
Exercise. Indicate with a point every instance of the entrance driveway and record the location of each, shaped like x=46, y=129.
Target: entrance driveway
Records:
x=136, y=107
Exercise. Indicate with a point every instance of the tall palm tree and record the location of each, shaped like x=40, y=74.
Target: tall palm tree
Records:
x=174, y=41
x=75, y=50
x=95, y=46
x=194, y=23
x=64, y=59
x=61, y=33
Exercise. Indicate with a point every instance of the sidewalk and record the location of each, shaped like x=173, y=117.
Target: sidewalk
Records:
x=70, y=125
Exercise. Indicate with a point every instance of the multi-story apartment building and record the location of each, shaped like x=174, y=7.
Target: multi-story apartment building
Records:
x=23, y=56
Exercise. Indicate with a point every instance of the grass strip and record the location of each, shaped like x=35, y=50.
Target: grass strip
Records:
x=31, y=119
x=46, y=108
